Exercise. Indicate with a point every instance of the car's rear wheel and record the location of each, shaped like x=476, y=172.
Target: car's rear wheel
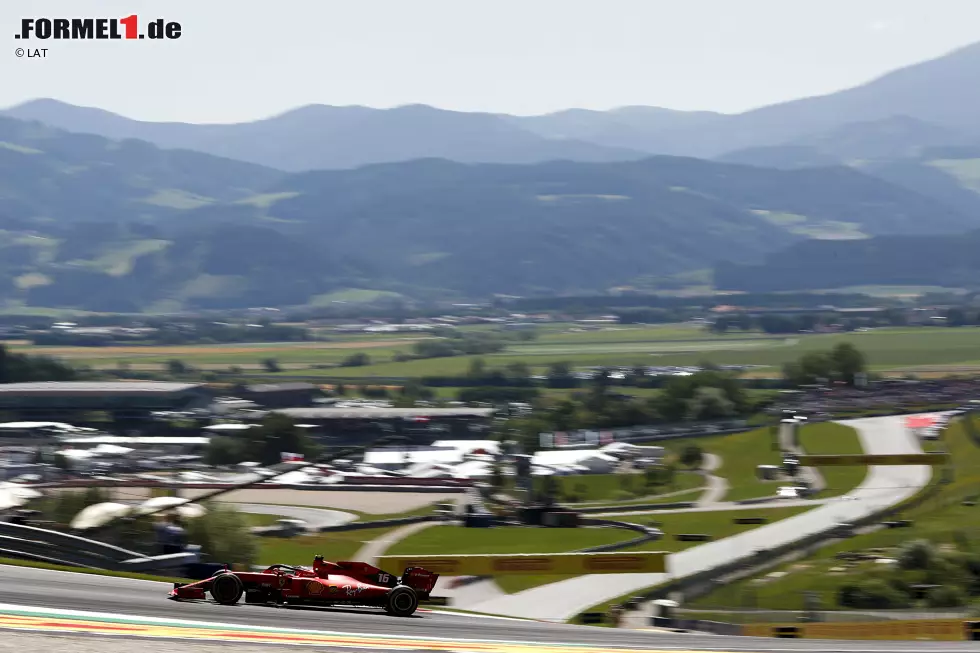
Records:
x=402, y=601
x=227, y=589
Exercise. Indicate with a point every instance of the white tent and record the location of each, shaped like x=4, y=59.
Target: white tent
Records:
x=472, y=469
x=180, y=506
x=99, y=514
x=596, y=461
x=466, y=447
x=20, y=491
x=111, y=450
x=10, y=500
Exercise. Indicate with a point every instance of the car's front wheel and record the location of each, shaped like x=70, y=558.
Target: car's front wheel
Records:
x=402, y=601
x=227, y=589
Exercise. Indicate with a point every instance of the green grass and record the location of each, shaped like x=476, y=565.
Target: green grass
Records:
x=885, y=349
x=831, y=438
x=670, y=497
x=943, y=520
x=342, y=545
x=447, y=540
x=717, y=524
x=177, y=199
x=266, y=200
x=892, y=348
x=740, y=454
x=253, y=519
x=965, y=171
x=119, y=261
x=354, y=296
x=610, y=487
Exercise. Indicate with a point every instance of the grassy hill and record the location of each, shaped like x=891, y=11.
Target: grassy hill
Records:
x=93, y=224
x=938, y=261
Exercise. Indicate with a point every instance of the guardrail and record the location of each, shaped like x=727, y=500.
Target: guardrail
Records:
x=20, y=541
x=280, y=530
x=648, y=533
x=521, y=564
x=632, y=507
x=949, y=630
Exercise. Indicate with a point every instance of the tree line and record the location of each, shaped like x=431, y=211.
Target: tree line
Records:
x=707, y=395
x=25, y=368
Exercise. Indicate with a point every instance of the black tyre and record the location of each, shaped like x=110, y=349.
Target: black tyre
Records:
x=402, y=601
x=227, y=589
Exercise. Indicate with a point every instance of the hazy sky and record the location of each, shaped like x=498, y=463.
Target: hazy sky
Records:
x=245, y=59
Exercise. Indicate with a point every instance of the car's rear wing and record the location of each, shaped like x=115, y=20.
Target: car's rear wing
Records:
x=421, y=580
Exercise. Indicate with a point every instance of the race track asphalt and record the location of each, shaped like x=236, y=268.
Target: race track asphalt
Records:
x=24, y=586
x=315, y=518
x=882, y=487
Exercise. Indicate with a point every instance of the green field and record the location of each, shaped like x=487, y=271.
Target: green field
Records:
x=718, y=525
x=446, y=540
x=620, y=487
x=944, y=520
x=458, y=540
x=886, y=349
x=740, y=454
x=254, y=519
x=342, y=545
x=831, y=438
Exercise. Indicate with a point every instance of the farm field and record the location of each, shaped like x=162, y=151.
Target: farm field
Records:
x=928, y=350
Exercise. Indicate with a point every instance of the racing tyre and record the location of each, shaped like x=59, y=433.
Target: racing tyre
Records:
x=402, y=601
x=226, y=589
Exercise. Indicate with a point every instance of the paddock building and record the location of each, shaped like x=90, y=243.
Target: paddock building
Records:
x=75, y=401
x=354, y=425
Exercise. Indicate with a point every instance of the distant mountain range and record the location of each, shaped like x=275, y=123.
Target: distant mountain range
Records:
x=104, y=225
x=948, y=261
x=100, y=212
x=941, y=95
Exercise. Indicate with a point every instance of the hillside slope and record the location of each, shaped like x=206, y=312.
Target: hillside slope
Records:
x=103, y=225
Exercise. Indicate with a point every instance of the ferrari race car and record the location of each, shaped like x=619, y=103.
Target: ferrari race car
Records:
x=327, y=583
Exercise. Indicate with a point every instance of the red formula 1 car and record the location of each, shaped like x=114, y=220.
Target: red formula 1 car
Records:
x=327, y=583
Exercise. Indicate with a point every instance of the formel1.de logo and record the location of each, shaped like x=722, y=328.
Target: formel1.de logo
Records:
x=84, y=29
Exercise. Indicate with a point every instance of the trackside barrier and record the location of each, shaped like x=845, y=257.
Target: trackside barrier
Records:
x=571, y=564
x=692, y=537
x=437, y=600
x=633, y=507
x=872, y=459
x=648, y=533
x=972, y=631
x=20, y=541
x=750, y=520
x=931, y=629
x=279, y=530
x=592, y=618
